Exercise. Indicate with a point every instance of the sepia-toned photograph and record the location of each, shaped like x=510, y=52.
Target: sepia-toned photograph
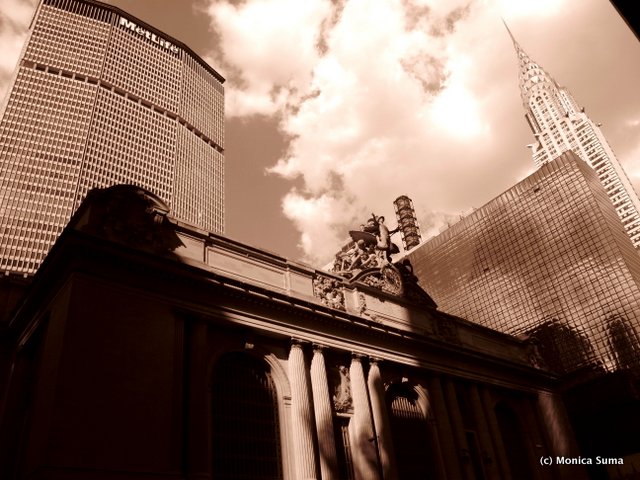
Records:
x=319, y=240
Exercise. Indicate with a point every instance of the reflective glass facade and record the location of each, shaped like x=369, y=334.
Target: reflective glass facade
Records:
x=101, y=98
x=550, y=258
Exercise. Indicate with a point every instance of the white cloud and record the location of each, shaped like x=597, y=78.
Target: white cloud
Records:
x=527, y=8
x=381, y=103
x=631, y=153
x=383, y=98
x=15, y=16
x=269, y=47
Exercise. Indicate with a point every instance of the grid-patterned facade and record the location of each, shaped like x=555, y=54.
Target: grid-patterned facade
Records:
x=548, y=258
x=559, y=124
x=101, y=98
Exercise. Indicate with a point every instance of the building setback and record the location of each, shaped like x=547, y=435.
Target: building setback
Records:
x=146, y=348
x=559, y=124
x=549, y=258
x=100, y=98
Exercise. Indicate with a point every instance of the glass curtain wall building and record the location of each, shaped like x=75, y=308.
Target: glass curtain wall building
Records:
x=559, y=124
x=548, y=258
x=101, y=98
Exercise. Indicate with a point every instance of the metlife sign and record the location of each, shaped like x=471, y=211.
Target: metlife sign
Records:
x=143, y=32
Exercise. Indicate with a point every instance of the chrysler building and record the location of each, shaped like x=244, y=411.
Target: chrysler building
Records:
x=560, y=124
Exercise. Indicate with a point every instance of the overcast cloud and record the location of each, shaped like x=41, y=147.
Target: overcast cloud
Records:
x=15, y=16
x=379, y=98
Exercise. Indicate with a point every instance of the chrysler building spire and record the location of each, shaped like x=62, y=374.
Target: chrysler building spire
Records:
x=532, y=77
x=559, y=124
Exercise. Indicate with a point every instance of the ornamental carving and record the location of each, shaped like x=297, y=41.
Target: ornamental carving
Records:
x=362, y=303
x=329, y=292
x=367, y=259
x=342, y=400
x=446, y=329
x=371, y=248
x=534, y=353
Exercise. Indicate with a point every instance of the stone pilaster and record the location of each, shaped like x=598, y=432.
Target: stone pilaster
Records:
x=381, y=422
x=365, y=458
x=492, y=423
x=560, y=435
x=324, y=416
x=301, y=415
x=445, y=432
x=533, y=436
x=487, y=452
x=458, y=428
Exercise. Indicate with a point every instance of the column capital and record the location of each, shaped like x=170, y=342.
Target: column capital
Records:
x=297, y=342
x=355, y=356
x=318, y=347
x=376, y=360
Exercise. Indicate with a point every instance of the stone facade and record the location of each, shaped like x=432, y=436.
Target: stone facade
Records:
x=146, y=348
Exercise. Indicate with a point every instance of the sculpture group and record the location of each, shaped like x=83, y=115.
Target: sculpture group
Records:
x=371, y=248
x=367, y=258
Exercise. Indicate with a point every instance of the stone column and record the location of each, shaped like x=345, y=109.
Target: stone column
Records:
x=381, y=422
x=324, y=416
x=457, y=427
x=487, y=453
x=432, y=430
x=492, y=423
x=365, y=458
x=301, y=415
x=560, y=434
x=445, y=433
x=532, y=437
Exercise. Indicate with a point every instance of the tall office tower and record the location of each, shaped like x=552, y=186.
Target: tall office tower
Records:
x=560, y=124
x=100, y=98
x=549, y=258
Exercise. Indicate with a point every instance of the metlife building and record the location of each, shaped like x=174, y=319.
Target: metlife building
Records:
x=101, y=98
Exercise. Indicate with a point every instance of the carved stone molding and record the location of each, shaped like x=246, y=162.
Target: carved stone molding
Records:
x=329, y=291
x=446, y=329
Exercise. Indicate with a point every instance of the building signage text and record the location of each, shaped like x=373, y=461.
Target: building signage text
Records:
x=143, y=32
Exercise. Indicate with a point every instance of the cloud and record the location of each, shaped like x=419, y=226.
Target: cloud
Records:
x=15, y=16
x=388, y=93
x=379, y=102
x=381, y=98
x=269, y=48
x=631, y=129
x=528, y=8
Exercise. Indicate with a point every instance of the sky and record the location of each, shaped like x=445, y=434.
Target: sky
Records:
x=335, y=108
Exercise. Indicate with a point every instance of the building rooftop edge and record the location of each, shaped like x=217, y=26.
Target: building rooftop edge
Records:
x=125, y=222
x=147, y=26
x=565, y=158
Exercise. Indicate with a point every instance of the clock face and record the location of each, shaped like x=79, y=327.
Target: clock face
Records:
x=392, y=281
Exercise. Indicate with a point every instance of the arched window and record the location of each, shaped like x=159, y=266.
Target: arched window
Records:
x=245, y=433
x=410, y=433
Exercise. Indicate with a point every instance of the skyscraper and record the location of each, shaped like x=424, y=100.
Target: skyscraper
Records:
x=560, y=124
x=547, y=258
x=99, y=98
